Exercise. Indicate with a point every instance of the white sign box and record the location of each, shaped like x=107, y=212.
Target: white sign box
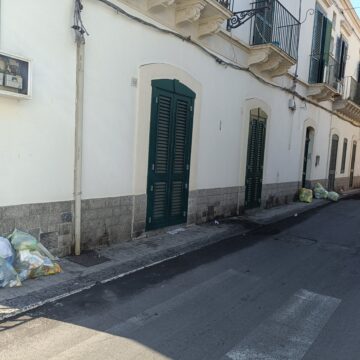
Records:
x=15, y=76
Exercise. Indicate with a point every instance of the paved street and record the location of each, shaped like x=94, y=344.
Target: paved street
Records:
x=286, y=291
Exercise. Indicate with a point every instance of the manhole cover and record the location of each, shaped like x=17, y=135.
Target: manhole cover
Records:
x=88, y=258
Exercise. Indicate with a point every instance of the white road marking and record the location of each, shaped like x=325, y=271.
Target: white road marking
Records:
x=290, y=331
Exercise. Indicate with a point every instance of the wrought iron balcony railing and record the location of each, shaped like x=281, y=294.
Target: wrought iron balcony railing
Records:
x=351, y=90
x=226, y=3
x=274, y=24
x=325, y=70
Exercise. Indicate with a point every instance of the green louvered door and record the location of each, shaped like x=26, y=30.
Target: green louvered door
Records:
x=169, y=153
x=333, y=160
x=352, y=165
x=255, y=159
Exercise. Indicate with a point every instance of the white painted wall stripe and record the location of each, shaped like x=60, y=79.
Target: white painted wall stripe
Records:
x=290, y=331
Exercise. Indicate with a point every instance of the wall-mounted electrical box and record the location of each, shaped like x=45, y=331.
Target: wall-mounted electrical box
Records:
x=15, y=76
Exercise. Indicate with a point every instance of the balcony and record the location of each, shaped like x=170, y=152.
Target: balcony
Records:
x=323, y=78
x=225, y=3
x=195, y=18
x=349, y=103
x=274, y=39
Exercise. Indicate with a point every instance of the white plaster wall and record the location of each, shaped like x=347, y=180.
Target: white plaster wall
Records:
x=110, y=120
x=37, y=135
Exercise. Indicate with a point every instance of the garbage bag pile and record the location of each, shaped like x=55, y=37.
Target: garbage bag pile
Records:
x=306, y=195
x=23, y=257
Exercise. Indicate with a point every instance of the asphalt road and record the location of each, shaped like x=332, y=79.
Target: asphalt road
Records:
x=286, y=291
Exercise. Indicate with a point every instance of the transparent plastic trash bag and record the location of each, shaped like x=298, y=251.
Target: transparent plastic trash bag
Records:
x=333, y=196
x=6, y=250
x=32, y=258
x=8, y=275
x=320, y=192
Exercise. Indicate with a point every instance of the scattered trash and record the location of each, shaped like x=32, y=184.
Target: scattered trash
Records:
x=296, y=215
x=333, y=196
x=320, y=192
x=176, y=231
x=216, y=222
x=305, y=195
x=24, y=257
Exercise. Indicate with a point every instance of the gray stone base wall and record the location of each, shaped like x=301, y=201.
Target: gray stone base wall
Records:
x=342, y=184
x=279, y=194
x=106, y=221
x=51, y=223
x=356, y=182
x=139, y=215
x=209, y=204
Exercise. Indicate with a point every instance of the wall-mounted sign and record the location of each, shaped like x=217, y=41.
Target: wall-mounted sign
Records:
x=15, y=76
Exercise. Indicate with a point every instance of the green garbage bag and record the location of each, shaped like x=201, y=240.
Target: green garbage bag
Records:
x=333, y=196
x=305, y=195
x=320, y=192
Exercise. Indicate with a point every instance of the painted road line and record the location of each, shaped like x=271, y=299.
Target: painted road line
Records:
x=290, y=331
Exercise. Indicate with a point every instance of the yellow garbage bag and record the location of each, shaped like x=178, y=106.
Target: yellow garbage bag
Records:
x=305, y=195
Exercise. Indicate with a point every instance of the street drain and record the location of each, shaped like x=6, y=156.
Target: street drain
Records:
x=88, y=258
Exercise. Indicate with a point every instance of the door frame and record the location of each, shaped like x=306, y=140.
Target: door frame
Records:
x=146, y=74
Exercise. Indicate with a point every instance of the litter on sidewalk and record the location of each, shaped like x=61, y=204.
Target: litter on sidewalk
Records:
x=319, y=192
x=23, y=257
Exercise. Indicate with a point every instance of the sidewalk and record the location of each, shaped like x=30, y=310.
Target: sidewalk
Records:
x=119, y=260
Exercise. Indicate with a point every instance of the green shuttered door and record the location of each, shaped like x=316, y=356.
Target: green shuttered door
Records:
x=169, y=153
x=255, y=159
x=333, y=159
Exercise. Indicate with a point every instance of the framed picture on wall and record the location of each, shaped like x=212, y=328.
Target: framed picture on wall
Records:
x=15, y=76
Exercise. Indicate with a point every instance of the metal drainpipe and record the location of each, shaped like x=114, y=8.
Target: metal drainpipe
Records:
x=80, y=52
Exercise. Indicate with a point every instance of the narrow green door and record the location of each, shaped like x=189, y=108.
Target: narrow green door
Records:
x=255, y=158
x=352, y=167
x=169, y=153
x=333, y=159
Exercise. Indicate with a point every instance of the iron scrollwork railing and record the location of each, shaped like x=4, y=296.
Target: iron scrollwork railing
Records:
x=274, y=24
x=241, y=17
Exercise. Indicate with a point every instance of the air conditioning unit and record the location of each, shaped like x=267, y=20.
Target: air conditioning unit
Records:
x=15, y=76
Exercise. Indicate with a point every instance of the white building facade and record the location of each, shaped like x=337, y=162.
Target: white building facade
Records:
x=169, y=113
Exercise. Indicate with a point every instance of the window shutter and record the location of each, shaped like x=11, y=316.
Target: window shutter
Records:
x=180, y=157
x=344, y=59
x=327, y=40
x=163, y=103
x=315, y=62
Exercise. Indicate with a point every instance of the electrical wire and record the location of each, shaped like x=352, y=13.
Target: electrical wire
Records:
x=219, y=60
x=79, y=26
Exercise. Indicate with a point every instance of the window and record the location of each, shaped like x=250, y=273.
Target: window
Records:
x=343, y=160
